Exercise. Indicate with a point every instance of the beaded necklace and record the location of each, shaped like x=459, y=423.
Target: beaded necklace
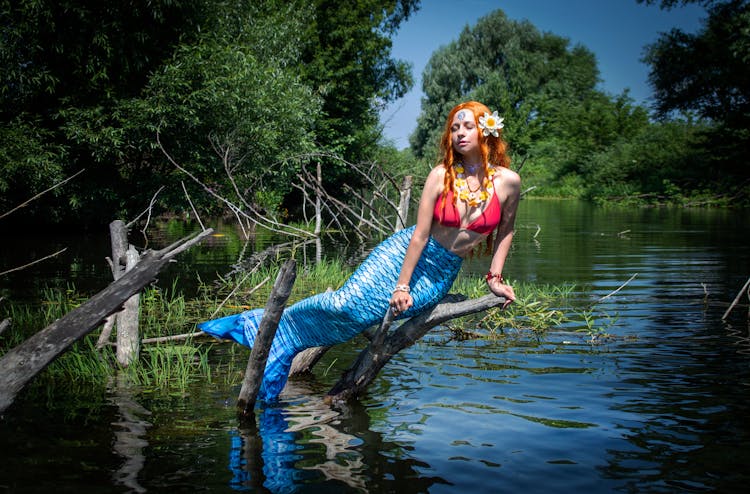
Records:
x=473, y=198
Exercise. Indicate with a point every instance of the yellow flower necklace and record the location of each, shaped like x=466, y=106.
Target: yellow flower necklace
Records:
x=472, y=197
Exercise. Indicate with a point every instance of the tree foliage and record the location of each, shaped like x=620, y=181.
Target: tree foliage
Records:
x=533, y=79
x=233, y=87
x=577, y=141
x=543, y=87
x=232, y=104
x=708, y=74
x=57, y=55
x=347, y=61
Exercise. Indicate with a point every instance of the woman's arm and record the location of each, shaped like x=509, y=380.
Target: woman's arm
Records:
x=433, y=187
x=509, y=195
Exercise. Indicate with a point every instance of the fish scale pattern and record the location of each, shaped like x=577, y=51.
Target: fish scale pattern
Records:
x=334, y=317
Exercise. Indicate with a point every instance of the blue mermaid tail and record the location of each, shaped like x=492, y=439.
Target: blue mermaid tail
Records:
x=334, y=317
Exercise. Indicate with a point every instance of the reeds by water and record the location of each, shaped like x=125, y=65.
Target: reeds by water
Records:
x=175, y=366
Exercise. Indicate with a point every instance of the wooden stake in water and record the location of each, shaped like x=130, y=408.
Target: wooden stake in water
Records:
x=737, y=299
x=256, y=364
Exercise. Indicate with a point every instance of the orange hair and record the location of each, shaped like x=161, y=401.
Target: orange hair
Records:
x=493, y=149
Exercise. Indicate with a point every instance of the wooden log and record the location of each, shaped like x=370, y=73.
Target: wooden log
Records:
x=305, y=360
x=318, y=199
x=379, y=337
x=403, y=204
x=118, y=241
x=383, y=347
x=269, y=323
x=128, y=341
x=109, y=324
x=20, y=364
x=4, y=324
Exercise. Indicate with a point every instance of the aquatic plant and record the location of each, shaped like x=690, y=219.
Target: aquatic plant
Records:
x=537, y=310
x=174, y=366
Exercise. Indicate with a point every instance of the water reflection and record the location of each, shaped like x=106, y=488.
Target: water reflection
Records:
x=660, y=407
x=264, y=456
x=130, y=430
x=680, y=391
x=275, y=455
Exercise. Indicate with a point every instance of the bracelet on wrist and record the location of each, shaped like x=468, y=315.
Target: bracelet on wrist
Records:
x=499, y=276
x=402, y=288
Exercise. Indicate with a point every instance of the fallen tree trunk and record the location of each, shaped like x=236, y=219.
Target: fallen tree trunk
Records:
x=305, y=360
x=20, y=364
x=384, y=345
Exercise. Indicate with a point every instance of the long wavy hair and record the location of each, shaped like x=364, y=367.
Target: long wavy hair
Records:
x=494, y=151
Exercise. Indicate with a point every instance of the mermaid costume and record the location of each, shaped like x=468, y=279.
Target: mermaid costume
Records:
x=335, y=317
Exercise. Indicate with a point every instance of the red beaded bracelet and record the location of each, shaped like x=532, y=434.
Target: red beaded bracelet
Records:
x=491, y=275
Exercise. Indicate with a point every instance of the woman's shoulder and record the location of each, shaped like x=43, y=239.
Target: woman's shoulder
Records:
x=438, y=170
x=507, y=176
x=437, y=174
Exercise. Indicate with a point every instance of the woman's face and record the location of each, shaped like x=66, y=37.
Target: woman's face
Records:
x=464, y=135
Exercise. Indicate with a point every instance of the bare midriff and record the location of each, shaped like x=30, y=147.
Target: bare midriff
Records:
x=460, y=241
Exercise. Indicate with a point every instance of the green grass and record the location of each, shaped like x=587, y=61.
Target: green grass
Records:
x=174, y=366
x=537, y=310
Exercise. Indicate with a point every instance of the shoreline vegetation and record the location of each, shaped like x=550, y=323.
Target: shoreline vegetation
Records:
x=165, y=115
x=173, y=366
x=155, y=113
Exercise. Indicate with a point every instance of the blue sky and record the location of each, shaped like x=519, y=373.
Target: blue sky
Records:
x=615, y=30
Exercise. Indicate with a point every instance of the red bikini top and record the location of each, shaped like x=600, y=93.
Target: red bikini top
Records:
x=450, y=217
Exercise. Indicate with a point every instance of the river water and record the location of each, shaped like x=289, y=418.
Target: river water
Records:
x=659, y=407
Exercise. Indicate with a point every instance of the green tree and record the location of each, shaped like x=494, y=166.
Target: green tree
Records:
x=708, y=74
x=347, y=60
x=512, y=67
x=229, y=104
x=88, y=84
x=70, y=53
x=555, y=118
x=655, y=165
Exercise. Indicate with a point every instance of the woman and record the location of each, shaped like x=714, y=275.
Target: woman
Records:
x=468, y=196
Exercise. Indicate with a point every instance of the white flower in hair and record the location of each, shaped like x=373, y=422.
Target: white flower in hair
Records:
x=490, y=124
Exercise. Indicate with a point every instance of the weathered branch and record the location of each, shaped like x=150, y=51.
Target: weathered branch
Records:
x=128, y=342
x=175, y=337
x=305, y=360
x=343, y=207
x=19, y=268
x=745, y=288
x=187, y=196
x=403, y=204
x=369, y=206
x=4, y=324
x=37, y=196
x=20, y=364
x=146, y=211
x=271, y=225
x=378, y=353
x=118, y=240
x=615, y=291
x=182, y=245
x=269, y=323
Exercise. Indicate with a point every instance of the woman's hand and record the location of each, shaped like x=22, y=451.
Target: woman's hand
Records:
x=401, y=302
x=499, y=288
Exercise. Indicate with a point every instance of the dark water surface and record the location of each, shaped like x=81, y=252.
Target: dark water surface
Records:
x=662, y=407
